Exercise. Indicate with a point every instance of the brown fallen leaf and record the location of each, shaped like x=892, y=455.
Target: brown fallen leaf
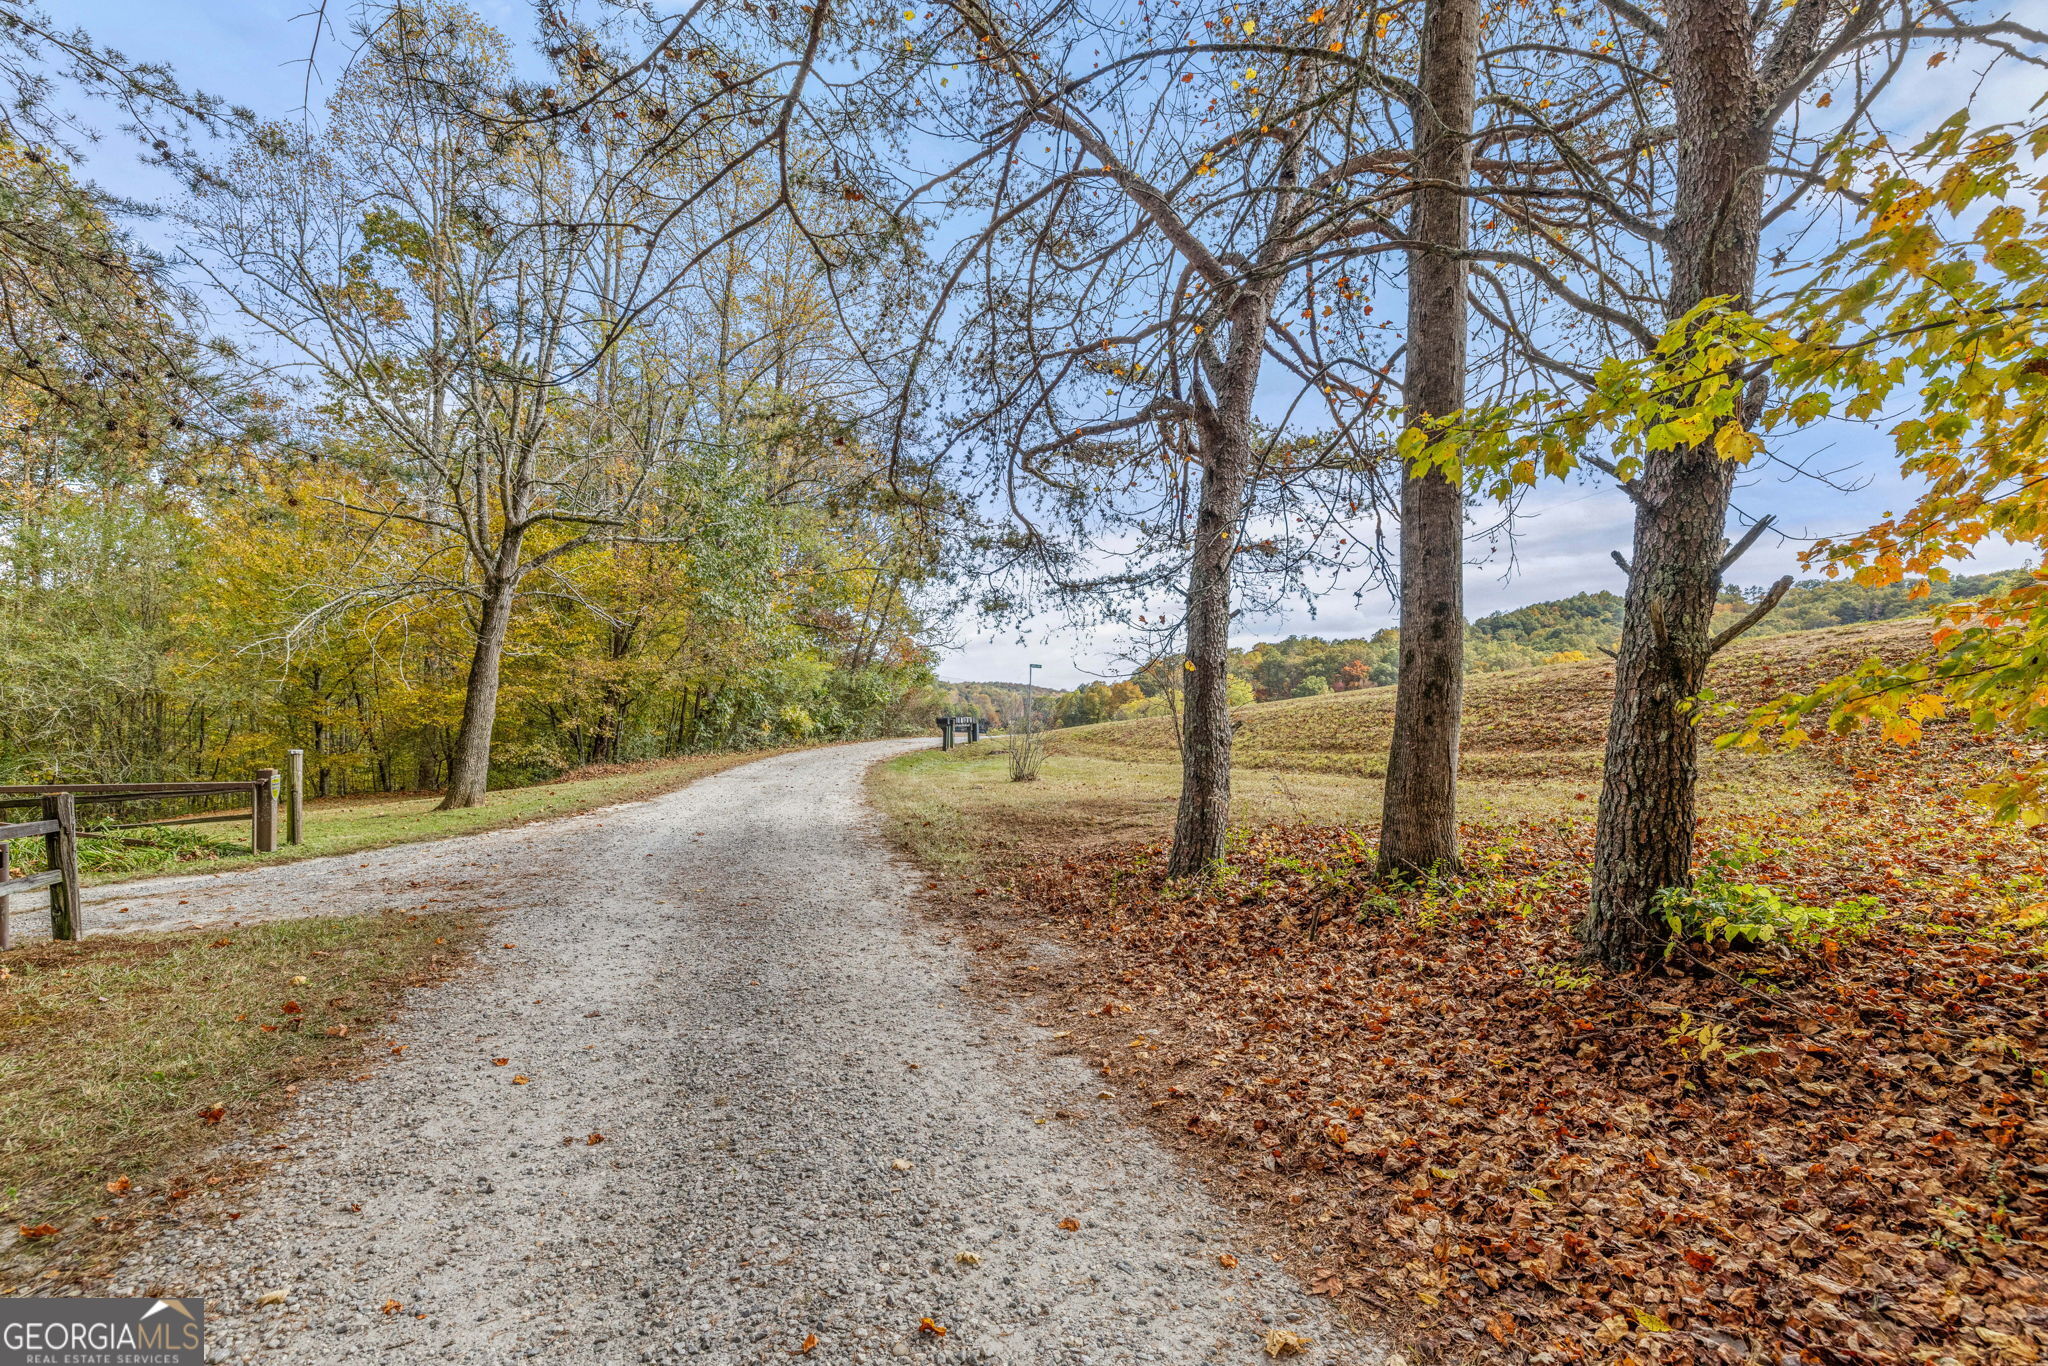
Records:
x=2015, y=1348
x=270, y=1297
x=213, y=1114
x=117, y=1186
x=1070, y=1224
x=593, y=1140
x=1282, y=1343
x=290, y=1008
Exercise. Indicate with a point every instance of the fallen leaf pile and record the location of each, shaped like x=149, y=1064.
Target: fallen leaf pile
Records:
x=1827, y=1151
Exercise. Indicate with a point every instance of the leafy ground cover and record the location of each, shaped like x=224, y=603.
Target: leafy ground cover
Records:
x=126, y=1057
x=1816, y=1137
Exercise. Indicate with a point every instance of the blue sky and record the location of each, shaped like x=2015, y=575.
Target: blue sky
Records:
x=254, y=52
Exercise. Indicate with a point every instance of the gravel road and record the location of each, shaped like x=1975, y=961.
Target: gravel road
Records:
x=809, y=1131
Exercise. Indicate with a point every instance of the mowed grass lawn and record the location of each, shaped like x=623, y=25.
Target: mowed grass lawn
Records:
x=348, y=825
x=125, y=1058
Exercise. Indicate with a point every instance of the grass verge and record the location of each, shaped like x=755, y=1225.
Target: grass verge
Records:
x=125, y=1059
x=348, y=825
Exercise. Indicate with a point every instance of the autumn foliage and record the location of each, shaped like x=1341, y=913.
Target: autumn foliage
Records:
x=1824, y=1145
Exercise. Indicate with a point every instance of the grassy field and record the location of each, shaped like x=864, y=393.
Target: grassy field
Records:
x=347, y=825
x=125, y=1057
x=1532, y=741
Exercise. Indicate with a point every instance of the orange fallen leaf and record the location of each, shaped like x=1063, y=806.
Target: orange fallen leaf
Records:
x=117, y=1186
x=499, y=1062
x=392, y=1306
x=1070, y=1225
x=593, y=1140
x=519, y=1081
x=213, y=1114
x=929, y=1325
x=1226, y=1261
x=810, y=1342
x=38, y=1230
x=290, y=1007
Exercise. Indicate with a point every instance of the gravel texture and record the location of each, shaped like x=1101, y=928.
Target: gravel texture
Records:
x=807, y=1127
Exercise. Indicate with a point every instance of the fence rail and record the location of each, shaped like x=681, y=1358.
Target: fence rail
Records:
x=260, y=791
x=58, y=804
x=59, y=831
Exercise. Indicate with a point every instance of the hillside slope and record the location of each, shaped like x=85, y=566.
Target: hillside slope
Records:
x=1541, y=724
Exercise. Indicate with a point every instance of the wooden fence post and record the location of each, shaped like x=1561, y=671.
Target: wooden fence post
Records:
x=945, y=732
x=6, y=901
x=62, y=846
x=295, y=813
x=263, y=819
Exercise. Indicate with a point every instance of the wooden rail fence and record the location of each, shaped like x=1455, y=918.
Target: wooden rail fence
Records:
x=59, y=831
x=59, y=803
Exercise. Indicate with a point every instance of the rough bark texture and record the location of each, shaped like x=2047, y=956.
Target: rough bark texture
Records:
x=1647, y=809
x=1419, y=817
x=1224, y=441
x=1204, y=816
x=469, y=772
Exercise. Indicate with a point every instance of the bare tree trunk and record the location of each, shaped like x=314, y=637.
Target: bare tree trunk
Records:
x=1419, y=813
x=469, y=771
x=1203, y=820
x=1644, y=842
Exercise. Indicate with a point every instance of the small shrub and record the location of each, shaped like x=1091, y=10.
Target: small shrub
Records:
x=1027, y=752
x=1744, y=916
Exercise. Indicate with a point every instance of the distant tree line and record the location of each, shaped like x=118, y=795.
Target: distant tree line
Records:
x=1561, y=631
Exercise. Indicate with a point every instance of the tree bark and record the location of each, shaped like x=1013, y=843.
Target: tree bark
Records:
x=1203, y=820
x=1419, y=811
x=469, y=770
x=1644, y=841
